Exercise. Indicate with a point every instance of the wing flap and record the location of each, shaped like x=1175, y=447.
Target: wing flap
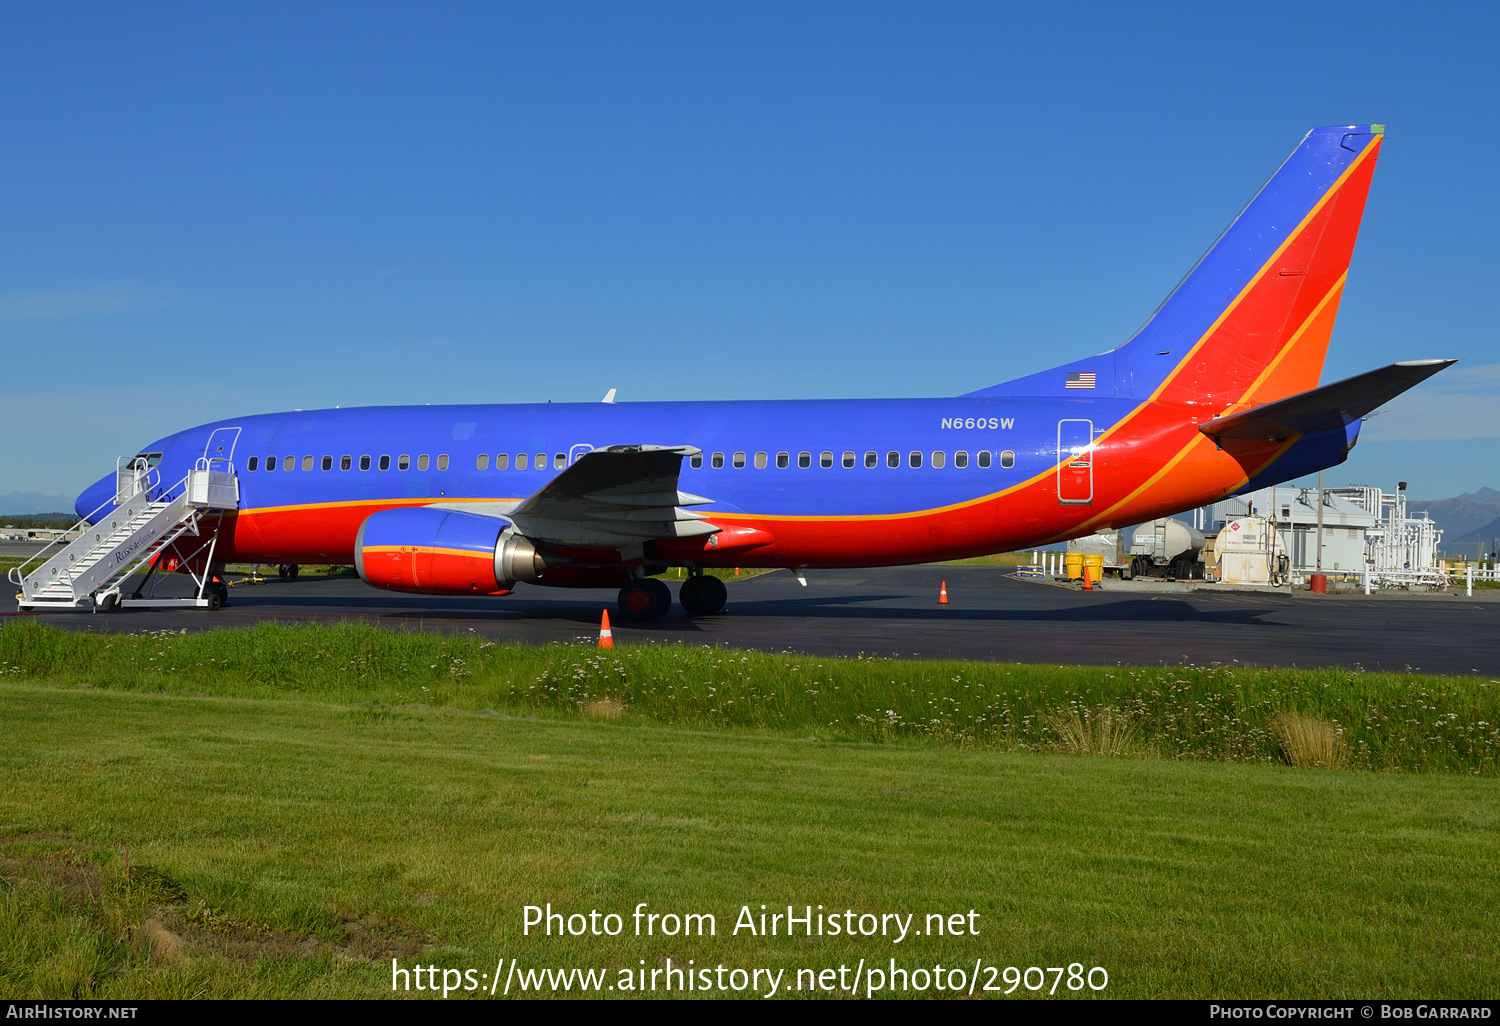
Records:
x=618, y=495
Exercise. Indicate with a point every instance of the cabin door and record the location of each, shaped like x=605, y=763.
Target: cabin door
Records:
x=220, y=447
x=1075, y=462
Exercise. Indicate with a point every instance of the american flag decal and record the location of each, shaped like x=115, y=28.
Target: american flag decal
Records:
x=1085, y=379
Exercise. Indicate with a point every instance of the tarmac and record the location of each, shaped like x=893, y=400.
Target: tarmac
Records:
x=991, y=616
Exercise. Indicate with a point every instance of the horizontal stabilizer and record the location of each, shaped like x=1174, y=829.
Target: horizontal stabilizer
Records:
x=1331, y=406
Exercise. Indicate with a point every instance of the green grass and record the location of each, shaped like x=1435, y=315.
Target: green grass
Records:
x=295, y=844
x=1005, y=559
x=1401, y=722
x=279, y=811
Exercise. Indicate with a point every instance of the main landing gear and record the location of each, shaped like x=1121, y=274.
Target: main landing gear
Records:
x=649, y=598
x=644, y=599
x=702, y=595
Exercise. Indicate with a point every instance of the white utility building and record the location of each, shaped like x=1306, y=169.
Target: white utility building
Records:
x=1294, y=514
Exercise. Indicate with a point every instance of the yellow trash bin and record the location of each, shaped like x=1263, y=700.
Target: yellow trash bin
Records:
x=1073, y=566
x=1094, y=563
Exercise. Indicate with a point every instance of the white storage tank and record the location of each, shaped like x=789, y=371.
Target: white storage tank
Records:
x=1249, y=550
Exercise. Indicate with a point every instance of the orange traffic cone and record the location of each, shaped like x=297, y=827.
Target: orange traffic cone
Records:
x=943, y=594
x=1088, y=579
x=736, y=571
x=606, y=636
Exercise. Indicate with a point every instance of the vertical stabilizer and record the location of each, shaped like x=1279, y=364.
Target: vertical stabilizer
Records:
x=1250, y=322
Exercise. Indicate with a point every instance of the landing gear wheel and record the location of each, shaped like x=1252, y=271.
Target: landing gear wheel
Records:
x=638, y=600
x=703, y=595
x=661, y=596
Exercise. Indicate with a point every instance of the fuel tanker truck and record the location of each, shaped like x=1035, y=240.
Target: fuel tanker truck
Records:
x=1166, y=548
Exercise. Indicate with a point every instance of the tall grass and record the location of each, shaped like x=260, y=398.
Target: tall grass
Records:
x=1381, y=721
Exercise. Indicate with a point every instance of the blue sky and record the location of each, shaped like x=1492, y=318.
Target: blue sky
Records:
x=213, y=210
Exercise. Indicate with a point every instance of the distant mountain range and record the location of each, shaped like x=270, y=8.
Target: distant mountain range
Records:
x=23, y=503
x=1466, y=519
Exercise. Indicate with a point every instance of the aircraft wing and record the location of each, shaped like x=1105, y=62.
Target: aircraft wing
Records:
x=1332, y=406
x=615, y=496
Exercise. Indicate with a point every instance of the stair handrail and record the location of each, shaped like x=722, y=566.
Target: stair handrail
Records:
x=151, y=480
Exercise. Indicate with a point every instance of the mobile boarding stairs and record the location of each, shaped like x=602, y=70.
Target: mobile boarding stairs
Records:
x=171, y=527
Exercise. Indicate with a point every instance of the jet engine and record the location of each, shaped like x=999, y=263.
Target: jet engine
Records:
x=443, y=551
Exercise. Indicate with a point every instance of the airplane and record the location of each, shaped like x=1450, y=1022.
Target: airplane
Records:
x=1216, y=393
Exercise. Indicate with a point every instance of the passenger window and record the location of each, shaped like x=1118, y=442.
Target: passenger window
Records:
x=307, y=463
x=783, y=460
x=872, y=459
x=254, y=462
x=345, y=462
x=697, y=461
x=522, y=461
x=288, y=463
x=825, y=460
x=1007, y=459
x=804, y=460
x=560, y=460
x=443, y=461
x=327, y=462
x=364, y=463
x=984, y=459
x=915, y=459
x=939, y=459
x=270, y=462
x=482, y=461
x=848, y=461
x=541, y=461
x=960, y=460
x=717, y=461
x=760, y=461
x=385, y=463
x=739, y=461
x=502, y=460
x=403, y=462
x=422, y=462
x=893, y=459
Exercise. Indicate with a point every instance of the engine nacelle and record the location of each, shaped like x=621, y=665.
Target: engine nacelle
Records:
x=443, y=551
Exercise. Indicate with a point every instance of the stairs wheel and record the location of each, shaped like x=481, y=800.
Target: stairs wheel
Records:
x=214, y=602
x=109, y=604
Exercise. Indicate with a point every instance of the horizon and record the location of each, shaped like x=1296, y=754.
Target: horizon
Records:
x=215, y=212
